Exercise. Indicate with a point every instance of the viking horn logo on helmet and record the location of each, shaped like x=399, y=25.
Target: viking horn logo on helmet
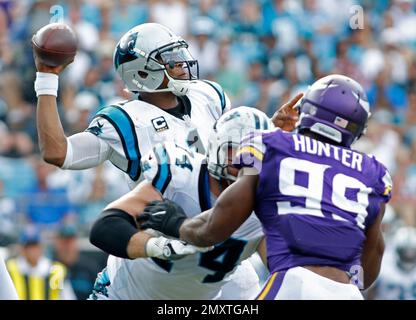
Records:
x=335, y=107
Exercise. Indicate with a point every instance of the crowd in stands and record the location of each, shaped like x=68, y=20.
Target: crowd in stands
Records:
x=262, y=52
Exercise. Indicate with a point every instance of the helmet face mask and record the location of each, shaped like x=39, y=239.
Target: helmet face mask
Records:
x=148, y=53
x=172, y=55
x=219, y=159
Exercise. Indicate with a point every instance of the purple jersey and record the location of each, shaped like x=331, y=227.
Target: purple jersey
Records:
x=315, y=200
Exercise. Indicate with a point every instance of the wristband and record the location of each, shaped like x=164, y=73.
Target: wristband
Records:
x=46, y=84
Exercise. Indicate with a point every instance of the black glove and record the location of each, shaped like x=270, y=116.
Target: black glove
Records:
x=165, y=216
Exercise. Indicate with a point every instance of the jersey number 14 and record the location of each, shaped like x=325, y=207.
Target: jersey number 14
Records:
x=222, y=260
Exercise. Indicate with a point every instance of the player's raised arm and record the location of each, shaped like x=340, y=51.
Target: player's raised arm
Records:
x=52, y=139
x=79, y=151
x=54, y=47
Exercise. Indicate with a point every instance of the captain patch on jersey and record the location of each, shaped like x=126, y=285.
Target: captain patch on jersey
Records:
x=160, y=124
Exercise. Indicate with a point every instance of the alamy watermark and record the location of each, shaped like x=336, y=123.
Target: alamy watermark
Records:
x=57, y=14
x=56, y=280
x=357, y=17
x=356, y=274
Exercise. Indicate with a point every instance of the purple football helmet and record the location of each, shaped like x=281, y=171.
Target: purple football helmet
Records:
x=335, y=107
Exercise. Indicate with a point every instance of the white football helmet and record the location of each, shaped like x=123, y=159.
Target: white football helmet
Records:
x=404, y=242
x=228, y=132
x=143, y=54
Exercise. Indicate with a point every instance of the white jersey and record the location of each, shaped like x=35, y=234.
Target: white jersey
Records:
x=394, y=283
x=132, y=128
x=182, y=176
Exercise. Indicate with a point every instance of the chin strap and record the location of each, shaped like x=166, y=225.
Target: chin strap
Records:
x=178, y=87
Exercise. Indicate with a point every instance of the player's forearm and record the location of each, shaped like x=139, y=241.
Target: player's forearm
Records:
x=371, y=262
x=197, y=231
x=136, y=200
x=52, y=140
x=262, y=251
x=115, y=231
x=209, y=228
x=112, y=232
x=137, y=244
x=232, y=208
x=373, y=250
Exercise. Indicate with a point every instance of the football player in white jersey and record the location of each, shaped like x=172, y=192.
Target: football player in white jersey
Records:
x=183, y=176
x=172, y=105
x=397, y=279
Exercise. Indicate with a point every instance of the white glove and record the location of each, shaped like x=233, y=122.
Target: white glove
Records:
x=171, y=249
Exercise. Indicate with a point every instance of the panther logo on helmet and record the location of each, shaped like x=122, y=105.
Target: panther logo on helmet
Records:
x=125, y=49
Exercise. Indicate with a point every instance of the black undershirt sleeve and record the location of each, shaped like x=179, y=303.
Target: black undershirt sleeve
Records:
x=112, y=232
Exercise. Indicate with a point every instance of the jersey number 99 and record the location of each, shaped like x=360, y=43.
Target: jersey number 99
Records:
x=310, y=190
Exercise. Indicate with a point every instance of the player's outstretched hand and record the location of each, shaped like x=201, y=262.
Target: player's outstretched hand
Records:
x=165, y=216
x=287, y=115
x=171, y=249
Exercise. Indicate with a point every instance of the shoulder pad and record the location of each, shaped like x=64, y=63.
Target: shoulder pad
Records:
x=115, y=125
x=216, y=93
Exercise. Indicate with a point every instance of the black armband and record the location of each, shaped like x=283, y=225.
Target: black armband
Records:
x=113, y=231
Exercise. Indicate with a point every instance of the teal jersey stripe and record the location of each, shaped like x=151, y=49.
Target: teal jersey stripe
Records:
x=124, y=126
x=219, y=90
x=163, y=176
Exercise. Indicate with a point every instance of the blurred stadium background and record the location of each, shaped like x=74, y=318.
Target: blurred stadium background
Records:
x=261, y=51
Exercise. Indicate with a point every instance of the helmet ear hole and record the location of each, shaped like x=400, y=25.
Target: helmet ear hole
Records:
x=142, y=74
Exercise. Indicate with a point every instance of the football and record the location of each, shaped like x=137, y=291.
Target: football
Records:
x=55, y=44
